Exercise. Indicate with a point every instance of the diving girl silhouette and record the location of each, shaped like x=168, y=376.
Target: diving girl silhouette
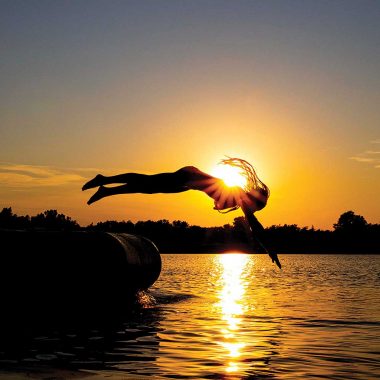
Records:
x=253, y=197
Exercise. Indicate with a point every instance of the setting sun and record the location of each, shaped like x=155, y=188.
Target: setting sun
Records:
x=231, y=176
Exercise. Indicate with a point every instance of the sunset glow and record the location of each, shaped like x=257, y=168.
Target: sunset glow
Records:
x=230, y=175
x=146, y=88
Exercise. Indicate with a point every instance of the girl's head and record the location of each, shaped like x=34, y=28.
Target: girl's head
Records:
x=256, y=191
x=257, y=199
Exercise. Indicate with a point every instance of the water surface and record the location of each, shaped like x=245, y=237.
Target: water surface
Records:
x=233, y=316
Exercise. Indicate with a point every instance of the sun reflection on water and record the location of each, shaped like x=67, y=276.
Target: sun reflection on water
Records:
x=231, y=304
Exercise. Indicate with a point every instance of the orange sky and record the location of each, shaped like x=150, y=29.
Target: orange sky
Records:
x=153, y=86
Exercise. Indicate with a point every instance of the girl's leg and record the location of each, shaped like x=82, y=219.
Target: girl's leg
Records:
x=101, y=180
x=137, y=183
x=188, y=176
x=103, y=191
x=143, y=183
x=183, y=179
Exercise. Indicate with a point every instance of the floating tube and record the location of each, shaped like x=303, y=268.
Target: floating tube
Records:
x=70, y=272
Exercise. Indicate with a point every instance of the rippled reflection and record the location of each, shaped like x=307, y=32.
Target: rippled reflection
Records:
x=233, y=282
x=228, y=317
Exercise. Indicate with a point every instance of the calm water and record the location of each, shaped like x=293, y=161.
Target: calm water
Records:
x=234, y=316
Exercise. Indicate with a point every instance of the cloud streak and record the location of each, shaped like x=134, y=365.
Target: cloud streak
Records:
x=369, y=156
x=362, y=159
x=20, y=176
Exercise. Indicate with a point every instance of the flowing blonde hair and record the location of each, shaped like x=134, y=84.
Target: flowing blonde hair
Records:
x=247, y=170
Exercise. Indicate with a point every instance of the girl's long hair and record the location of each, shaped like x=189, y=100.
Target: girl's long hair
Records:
x=247, y=170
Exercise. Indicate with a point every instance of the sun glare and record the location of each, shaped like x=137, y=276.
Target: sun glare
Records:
x=232, y=307
x=230, y=175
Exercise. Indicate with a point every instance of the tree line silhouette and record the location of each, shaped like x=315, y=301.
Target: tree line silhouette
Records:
x=351, y=234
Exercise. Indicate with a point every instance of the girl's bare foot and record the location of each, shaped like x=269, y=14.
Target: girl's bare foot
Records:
x=101, y=193
x=95, y=182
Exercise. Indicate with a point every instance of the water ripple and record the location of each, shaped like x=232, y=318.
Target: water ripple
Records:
x=226, y=317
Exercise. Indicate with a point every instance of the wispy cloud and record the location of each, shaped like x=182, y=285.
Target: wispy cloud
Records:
x=20, y=176
x=369, y=156
x=372, y=152
x=362, y=159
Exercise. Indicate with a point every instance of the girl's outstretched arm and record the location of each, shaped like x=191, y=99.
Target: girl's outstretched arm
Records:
x=257, y=229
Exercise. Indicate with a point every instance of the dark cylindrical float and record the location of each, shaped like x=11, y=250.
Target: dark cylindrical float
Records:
x=73, y=272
